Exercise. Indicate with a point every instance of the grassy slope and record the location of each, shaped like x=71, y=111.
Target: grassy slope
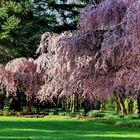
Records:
x=62, y=128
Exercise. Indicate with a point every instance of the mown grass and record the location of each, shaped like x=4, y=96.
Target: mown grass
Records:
x=63, y=128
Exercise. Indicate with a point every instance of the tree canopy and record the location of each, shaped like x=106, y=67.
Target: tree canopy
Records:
x=23, y=21
x=101, y=57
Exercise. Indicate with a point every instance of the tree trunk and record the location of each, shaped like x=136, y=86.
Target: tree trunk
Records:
x=102, y=106
x=87, y=107
x=118, y=106
x=138, y=103
x=130, y=106
x=73, y=103
x=29, y=105
x=63, y=105
x=121, y=102
x=117, y=103
x=1, y=103
x=77, y=103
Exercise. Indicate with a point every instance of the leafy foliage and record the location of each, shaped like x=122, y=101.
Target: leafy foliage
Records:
x=23, y=21
x=93, y=62
x=104, y=51
x=12, y=20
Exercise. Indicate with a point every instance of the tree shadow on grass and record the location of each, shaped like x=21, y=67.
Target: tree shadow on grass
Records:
x=64, y=130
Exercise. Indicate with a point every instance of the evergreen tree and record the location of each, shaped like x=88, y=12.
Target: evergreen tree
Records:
x=19, y=29
x=23, y=21
x=61, y=15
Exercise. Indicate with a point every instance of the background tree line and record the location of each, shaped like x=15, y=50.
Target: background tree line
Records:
x=23, y=21
x=80, y=67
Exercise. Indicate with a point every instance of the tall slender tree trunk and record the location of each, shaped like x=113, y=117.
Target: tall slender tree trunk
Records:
x=29, y=106
x=1, y=103
x=138, y=103
x=121, y=102
x=130, y=106
x=63, y=104
x=73, y=103
x=77, y=103
x=67, y=105
x=102, y=106
x=117, y=103
x=87, y=107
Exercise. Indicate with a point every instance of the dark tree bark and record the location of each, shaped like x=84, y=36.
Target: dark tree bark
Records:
x=87, y=107
x=121, y=102
x=1, y=103
x=77, y=103
x=117, y=103
x=130, y=106
x=138, y=103
x=72, y=103
x=102, y=106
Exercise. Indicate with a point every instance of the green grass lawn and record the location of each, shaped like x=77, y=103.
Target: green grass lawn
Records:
x=63, y=128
